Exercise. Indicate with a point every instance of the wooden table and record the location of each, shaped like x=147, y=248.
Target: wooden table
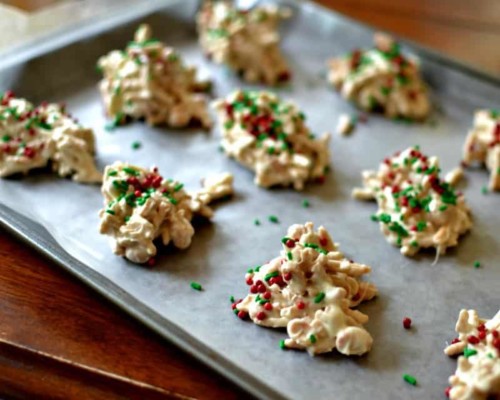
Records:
x=59, y=339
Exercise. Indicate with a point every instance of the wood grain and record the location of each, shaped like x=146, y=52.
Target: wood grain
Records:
x=466, y=30
x=45, y=310
x=60, y=340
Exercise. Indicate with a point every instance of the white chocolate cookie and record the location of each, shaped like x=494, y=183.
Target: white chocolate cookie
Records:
x=382, y=79
x=246, y=41
x=32, y=137
x=478, y=369
x=416, y=208
x=149, y=80
x=483, y=144
x=141, y=206
x=311, y=289
x=270, y=137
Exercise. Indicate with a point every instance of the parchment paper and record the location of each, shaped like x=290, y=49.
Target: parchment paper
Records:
x=223, y=250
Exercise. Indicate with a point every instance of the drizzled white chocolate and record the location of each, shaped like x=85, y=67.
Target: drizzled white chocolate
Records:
x=416, y=208
x=141, y=206
x=149, y=80
x=246, y=41
x=34, y=137
x=311, y=289
x=478, y=370
x=382, y=79
x=270, y=137
x=483, y=144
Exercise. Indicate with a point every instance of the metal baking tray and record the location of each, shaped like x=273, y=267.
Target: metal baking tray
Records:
x=59, y=217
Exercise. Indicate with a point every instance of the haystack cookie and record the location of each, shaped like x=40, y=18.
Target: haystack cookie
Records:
x=382, y=79
x=270, y=137
x=416, y=208
x=141, y=206
x=483, y=144
x=247, y=41
x=32, y=137
x=149, y=80
x=311, y=289
x=478, y=346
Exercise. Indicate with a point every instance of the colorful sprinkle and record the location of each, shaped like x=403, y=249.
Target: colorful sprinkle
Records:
x=196, y=286
x=274, y=219
x=410, y=379
x=319, y=297
x=305, y=203
x=136, y=145
x=407, y=323
x=477, y=264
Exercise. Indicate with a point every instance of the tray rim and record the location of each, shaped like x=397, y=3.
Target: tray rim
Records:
x=43, y=242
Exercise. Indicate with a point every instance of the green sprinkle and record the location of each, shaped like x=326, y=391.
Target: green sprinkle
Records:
x=443, y=208
x=385, y=218
x=313, y=339
x=274, y=219
x=311, y=245
x=257, y=269
x=256, y=222
x=410, y=379
x=421, y=225
x=231, y=299
x=249, y=271
x=196, y=286
x=484, y=190
x=374, y=218
x=112, y=173
x=305, y=203
x=178, y=187
x=136, y=145
x=6, y=138
x=319, y=297
x=282, y=344
x=414, y=243
x=127, y=218
x=110, y=212
x=289, y=256
x=271, y=275
x=131, y=171
x=469, y=352
x=270, y=150
x=477, y=264
x=228, y=124
x=173, y=201
x=489, y=355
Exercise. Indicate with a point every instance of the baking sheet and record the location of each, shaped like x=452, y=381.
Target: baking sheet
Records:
x=202, y=322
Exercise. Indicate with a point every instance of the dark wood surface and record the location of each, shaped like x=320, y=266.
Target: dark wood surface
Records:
x=60, y=340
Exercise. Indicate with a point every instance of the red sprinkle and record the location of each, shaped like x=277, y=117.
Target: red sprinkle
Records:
x=267, y=295
x=254, y=289
x=481, y=328
x=473, y=339
x=481, y=335
x=137, y=193
x=496, y=343
x=268, y=306
x=152, y=261
x=323, y=241
x=261, y=315
x=456, y=340
x=407, y=323
x=287, y=276
x=249, y=281
x=262, y=289
x=242, y=314
x=301, y=305
x=447, y=391
x=290, y=243
x=495, y=333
